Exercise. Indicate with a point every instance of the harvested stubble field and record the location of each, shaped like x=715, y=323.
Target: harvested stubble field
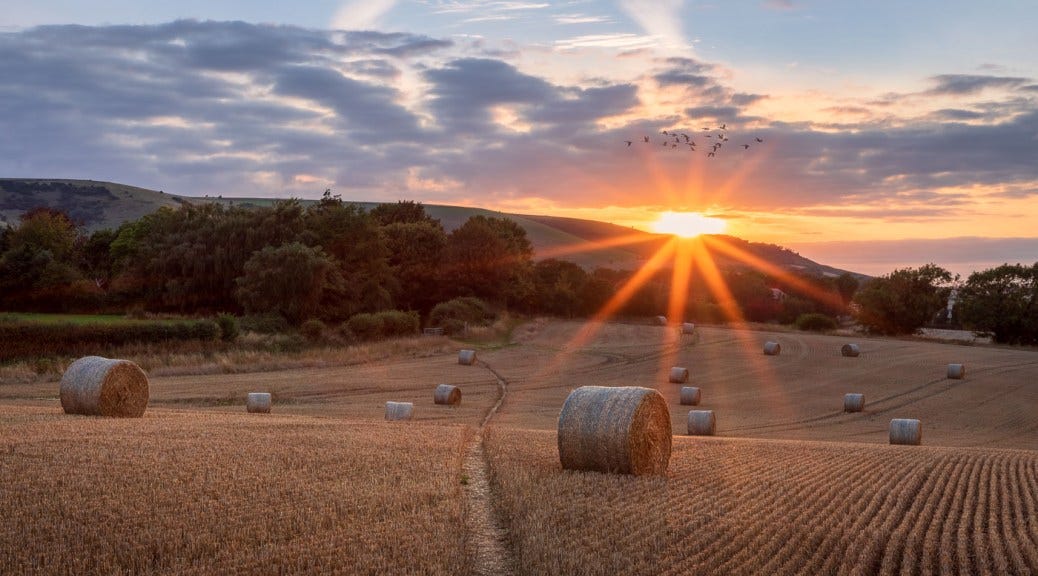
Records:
x=792, y=485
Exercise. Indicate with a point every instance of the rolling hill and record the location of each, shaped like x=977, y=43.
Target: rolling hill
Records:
x=97, y=205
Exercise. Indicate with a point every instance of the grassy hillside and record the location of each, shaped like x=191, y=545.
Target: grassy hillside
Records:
x=97, y=205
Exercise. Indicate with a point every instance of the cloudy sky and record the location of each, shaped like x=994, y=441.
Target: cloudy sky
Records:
x=885, y=125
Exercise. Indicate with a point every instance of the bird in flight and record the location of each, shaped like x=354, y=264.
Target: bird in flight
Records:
x=628, y=143
x=758, y=139
x=745, y=146
x=710, y=155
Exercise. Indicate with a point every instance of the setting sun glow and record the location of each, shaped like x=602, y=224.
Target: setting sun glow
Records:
x=688, y=224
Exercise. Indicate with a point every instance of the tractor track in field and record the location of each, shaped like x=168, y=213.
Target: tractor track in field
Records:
x=488, y=539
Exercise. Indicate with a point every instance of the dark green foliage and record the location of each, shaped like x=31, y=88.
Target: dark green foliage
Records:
x=489, y=258
x=454, y=314
x=846, y=285
x=416, y=254
x=561, y=288
x=265, y=323
x=312, y=329
x=228, y=327
x=365, y=326
x=290, y=280
x=815, y=322
x=31, y=339
x=1002, y=301
x=403, y=212
x=904, y=300
x=399, y=323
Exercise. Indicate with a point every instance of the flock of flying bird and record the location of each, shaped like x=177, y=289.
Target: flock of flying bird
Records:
x=673, y=139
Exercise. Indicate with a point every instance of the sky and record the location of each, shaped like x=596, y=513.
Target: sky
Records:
x=864, y=135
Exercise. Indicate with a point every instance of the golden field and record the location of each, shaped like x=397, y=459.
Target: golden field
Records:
x=323, y=485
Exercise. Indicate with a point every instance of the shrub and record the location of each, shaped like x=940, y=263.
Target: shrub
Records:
x=228, y=327
x=30, y=339
x=365, y=326
x=312, y=329
x=399, y=323
x=453, y=315
x=265, y=323
x=815, y=322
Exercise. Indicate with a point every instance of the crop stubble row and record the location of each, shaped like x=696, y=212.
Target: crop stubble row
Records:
x=783, y=507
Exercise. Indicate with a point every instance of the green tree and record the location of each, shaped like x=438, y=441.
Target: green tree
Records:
x=559, y=287
x=290, y=280
x=350, y=236
x=904, y=300
x=1002, y=301
x=416, y=253
x=846, y=285
x=403, y=212
x=490, y=258
x=37, y=271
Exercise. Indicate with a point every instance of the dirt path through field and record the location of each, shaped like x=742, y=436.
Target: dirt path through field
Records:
x=487, y=538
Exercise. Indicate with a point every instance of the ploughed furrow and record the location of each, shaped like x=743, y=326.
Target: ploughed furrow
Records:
x=1022, y=497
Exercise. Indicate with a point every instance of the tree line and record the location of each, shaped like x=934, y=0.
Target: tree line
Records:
x=334, y=260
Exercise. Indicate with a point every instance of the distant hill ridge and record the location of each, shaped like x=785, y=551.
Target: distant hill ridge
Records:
x=96, y=205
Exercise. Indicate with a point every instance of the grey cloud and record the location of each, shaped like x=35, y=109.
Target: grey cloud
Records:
x=965, y=84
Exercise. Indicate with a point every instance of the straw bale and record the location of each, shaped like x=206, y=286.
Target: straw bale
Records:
x=772, y=348
x=258, y=402
x=853, y=402
x=447, y=394
x=661, y=320
x=679, y=375
x=467, y=357
x=99, y=386
x=688, y=328
x=690, y=396
x=701, y=423
x=624, y=430
x=956, y=371
x=399, y=410
x=906, y=431
x=850, y=350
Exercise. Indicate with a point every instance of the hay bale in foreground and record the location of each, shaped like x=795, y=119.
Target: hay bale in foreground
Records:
x=701, y=423
x=99, y=386
x=906, y=431
x=688, y=328
x=467, y=357
x=850, y=350
x=853, y=402
x=772, y=348
x=690, y=396
x=399, y=410
x=624, y=430
x=678, y=375
x=447, y=394
x=661, y=320
x=956, y=371
x=258, y=402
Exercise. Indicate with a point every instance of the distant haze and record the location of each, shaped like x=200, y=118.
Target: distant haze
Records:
x=959, y=255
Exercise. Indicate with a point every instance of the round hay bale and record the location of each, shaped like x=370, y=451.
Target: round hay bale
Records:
x=701, y=423
x=956, y=371
x=624, y=430
x=853, y=402
x=467, y=357
x=772, y=348
x=688, y=328
x=99, y=386
x=399, y=410
x=678, y=375
x=258, y=402
x=690, y=396
x=661, y=320
x=906, y=431
x=850, y=350
x=447, y=394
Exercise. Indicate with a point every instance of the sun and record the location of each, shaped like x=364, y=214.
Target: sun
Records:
x=688, y=224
